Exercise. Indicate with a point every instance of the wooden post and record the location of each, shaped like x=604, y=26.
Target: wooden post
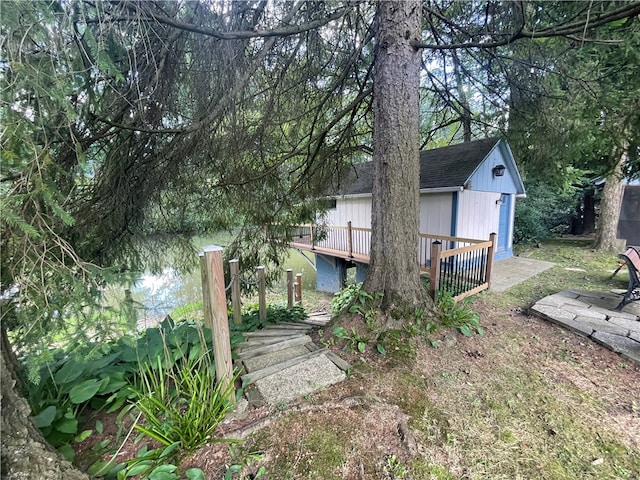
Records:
x=311, y=239
x=299, y=287
x=234, y=268
x=349, y=239
x=215, y=314
x=289, y=288
x=434, y=272
x=490, y=257
x=262, y=289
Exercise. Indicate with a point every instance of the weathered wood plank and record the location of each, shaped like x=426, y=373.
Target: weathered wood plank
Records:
x=287, y=326
x=338, y=362
x=252, y=377
x=281, y=332
x=300, y=340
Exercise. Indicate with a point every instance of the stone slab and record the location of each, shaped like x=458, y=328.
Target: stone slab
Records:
x=299, y=380
x=550, y=312
x=625, y=346
x=585, y=312
x=603, y=326
x=632, y=325
x=269, y=359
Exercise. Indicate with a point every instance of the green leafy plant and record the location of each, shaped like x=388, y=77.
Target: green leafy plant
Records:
x=100, y=375
x=457, y=315
x=344, y=298
x=366, y=305
x=180, y=401
x=354, y=341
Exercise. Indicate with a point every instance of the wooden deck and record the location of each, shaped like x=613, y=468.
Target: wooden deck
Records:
x=460, y=265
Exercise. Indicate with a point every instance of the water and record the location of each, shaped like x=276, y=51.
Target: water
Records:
x=155, y=296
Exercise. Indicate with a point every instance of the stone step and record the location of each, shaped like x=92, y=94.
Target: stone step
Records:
x=252, y=377
x=255, y=352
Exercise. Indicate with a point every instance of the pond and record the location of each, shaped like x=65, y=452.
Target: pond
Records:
x=155, y=296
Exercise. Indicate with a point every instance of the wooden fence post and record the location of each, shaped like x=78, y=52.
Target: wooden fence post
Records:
x=350, y=239
x=234, y=268
x=490, y=257
x=299, y=287
x=262, y=289
x=311, y=239
x=289, y=288
x=215, y=314
x=434, y=272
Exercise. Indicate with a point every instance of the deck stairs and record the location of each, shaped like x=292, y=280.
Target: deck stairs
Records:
x=281, y=363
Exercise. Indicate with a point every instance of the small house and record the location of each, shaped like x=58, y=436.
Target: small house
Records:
x=466, y=190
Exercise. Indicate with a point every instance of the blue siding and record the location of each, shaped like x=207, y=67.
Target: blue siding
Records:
x=483, y=180
x=454, y=213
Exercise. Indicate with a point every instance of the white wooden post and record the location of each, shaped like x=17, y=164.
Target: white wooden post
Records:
x=215, y=314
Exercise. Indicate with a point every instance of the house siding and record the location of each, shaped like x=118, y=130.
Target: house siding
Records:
x=478, y=214
x=435, y=213
x=355, y=210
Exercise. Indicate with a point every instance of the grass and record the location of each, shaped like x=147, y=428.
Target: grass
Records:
x=525, y=400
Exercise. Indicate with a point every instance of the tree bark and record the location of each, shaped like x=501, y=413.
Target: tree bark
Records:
x=394, y=269
x=607, y=231
x=25, y=453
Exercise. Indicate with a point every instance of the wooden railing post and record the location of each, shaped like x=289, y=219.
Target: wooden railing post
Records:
x=234, y=269
x=289, y=288
x=490, y=257
x=262, y=290
x=299, y=287
x=349, y=239
x=215, y=314
x=434, y=273
x=311, y=239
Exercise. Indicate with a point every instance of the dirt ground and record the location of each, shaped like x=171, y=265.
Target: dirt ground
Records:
x=526, y=399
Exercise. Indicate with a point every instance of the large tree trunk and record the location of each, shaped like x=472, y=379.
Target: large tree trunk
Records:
x=25, y=454
x=607, y=232
x=394, y=269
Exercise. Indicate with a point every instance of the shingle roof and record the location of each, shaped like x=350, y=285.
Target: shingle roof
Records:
x=439, y=168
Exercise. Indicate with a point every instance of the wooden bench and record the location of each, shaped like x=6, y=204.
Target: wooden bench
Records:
x=632, y=258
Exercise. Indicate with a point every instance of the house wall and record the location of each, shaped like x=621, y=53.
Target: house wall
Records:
x=435, y=213
x=478, y=214
x=483, y=180
x=357, y=210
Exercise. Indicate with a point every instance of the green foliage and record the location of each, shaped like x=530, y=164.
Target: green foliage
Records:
x=180, y=401
x=345, y=297
x=543, y=214
x=457, y=315
x=100, y=375
x=355, y=342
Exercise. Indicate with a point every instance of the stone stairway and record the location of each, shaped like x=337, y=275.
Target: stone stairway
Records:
x=281, y=362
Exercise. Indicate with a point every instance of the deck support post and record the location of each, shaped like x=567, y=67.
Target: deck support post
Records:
x=214, y=301
x=491, y=253
x=262, y=288
x=434, y=273
x=234, y=269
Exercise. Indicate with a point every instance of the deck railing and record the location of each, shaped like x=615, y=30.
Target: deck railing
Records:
x=462, y=266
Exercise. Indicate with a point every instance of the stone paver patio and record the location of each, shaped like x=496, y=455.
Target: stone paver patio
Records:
x=592, y=314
